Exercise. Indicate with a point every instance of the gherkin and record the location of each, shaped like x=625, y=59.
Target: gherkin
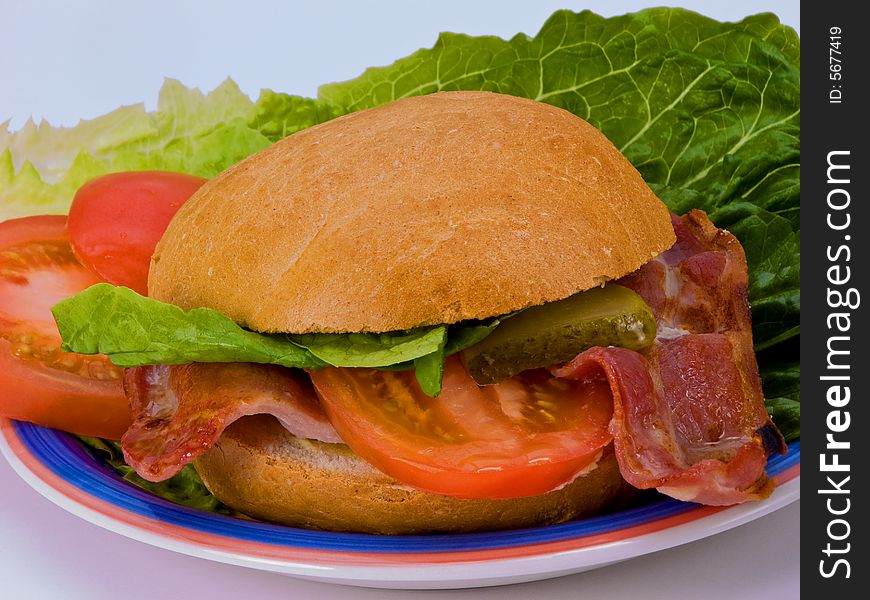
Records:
x=556, y=332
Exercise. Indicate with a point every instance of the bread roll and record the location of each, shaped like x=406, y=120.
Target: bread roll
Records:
x=428, y=210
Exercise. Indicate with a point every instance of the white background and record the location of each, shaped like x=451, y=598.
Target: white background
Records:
x=71, y=60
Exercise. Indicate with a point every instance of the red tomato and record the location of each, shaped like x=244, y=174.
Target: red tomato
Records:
x=522, y=437
x=38, y=381
x=116, y=220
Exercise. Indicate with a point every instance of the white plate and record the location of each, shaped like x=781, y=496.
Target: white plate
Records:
x=60, y=468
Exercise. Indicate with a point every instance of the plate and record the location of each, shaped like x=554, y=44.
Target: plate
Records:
x=65, y=472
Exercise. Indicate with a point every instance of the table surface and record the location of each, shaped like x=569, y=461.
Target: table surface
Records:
x=48, y=553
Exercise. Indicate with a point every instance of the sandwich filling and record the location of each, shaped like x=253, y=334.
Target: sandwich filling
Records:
x=686, y=414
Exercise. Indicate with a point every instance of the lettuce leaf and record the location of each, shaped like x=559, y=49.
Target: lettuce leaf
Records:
x=773, y=252
x=133, y=330
x=190, y=132
x=185, y=488
x=372, y=349
x=786, y=413
x=429, y=368
x=781, y=380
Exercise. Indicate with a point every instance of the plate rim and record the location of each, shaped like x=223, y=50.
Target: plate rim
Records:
x=385, y=569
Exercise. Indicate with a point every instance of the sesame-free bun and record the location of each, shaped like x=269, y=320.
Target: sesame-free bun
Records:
x=427, y=210
x=260, y=469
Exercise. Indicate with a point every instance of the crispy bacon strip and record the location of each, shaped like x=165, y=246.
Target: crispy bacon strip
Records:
x=168, y=433
x=689, y=416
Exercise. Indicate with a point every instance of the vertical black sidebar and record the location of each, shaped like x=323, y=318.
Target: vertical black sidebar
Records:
x=835, y=362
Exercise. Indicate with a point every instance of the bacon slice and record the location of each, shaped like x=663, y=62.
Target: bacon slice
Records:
x=180, y=411
x=689, y=416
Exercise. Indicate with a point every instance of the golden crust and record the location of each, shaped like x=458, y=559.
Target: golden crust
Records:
x=434, y=209
x=261, y=470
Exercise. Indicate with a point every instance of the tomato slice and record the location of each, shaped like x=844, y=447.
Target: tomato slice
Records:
x=522, y=437
x=38, y=381
x=116, y=220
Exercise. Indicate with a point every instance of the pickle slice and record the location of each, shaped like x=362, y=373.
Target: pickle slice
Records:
x=556, y=332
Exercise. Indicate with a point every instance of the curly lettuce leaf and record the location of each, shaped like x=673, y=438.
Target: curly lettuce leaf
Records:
x=278, y=115
x=190, y=132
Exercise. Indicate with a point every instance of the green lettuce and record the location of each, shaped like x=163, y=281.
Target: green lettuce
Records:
x=190, y=132
x=185, y=488
x=781, y=379
x=372, y=349
x=429, y=369
x=708, y=112
x=773, y=250
x=133, y=330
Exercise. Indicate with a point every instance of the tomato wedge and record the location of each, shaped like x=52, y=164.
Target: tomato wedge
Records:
x=522, y=437
x=38, y=381
x=116, y=220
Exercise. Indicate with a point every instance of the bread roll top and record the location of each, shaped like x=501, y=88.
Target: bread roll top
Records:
x=427, y=210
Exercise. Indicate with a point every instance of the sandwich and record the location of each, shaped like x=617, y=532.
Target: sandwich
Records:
x=454, y=312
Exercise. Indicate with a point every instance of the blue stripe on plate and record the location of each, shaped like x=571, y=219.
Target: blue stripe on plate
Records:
x=69, y=460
